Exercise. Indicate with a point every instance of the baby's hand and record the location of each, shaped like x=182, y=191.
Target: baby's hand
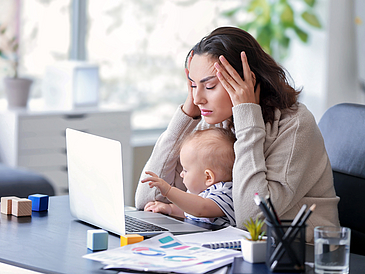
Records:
x=154, y=180
x=158, y=207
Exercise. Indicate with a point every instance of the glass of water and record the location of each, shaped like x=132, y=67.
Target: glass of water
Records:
x=332, y=249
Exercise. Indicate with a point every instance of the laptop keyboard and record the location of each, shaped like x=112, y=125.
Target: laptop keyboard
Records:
x=135, y=225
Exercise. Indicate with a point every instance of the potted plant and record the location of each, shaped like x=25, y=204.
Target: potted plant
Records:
x=16, y=88
x=254, y=248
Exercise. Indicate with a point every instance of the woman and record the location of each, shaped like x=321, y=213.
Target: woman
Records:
x=279, y=150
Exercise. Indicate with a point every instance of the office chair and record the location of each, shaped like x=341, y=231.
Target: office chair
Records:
x=343, y=130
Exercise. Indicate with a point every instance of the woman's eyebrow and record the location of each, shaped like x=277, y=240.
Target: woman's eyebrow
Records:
x=204, y=79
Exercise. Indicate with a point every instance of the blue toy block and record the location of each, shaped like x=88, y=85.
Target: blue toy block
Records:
x=39, y=202
x=97, y=239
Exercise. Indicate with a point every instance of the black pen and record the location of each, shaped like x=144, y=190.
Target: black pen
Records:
x=273, y=209
x=265, y=209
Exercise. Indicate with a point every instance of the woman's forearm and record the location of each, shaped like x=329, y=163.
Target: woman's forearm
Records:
x=164, y=160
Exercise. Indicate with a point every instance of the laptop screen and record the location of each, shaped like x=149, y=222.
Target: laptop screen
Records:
x=95, y=180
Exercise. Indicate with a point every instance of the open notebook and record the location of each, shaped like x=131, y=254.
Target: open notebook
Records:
x=95, y=181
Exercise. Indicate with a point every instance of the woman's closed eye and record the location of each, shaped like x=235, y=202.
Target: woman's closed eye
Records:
x=207, y=87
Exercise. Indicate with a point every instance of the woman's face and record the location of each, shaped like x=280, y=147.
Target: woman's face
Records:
x=208, y=93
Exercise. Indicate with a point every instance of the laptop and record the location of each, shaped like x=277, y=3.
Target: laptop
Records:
x=95, y=179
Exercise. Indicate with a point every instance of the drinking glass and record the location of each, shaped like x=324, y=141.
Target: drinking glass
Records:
x=331, y=249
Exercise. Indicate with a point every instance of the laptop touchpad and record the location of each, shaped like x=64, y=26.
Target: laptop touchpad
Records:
x=165, y=221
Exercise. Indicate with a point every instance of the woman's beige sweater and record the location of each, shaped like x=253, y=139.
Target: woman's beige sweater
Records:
x=286, y=160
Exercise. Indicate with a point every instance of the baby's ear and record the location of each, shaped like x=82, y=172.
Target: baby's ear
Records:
x=209, y=177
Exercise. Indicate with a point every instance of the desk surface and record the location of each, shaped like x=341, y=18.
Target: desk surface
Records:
x=54, y=242
x=49, y=242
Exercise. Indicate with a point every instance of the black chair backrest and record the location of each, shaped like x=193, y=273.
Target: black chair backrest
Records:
x=343, y=130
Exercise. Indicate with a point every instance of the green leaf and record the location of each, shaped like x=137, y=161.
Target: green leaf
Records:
x=310, y=3
x=254, y=4
x=261, y=9
x=284, y=41
x=246, y=26
x=303, y=36
x=287, y=15
x=311, y=19
x=231, y=13
x=264, y=36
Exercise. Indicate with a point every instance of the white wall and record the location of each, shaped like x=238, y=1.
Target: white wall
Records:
x=326, y=67
x=342, y=73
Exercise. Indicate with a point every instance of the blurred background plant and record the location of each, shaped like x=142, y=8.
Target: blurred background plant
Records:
x=9, y=49
x=272, y=22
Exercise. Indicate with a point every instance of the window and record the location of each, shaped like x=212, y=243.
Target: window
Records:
x=140, y=46
x=44, y=35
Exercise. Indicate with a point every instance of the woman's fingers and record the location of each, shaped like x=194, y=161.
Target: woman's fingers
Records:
x=148, y=206
x=229, y=82
x=240, y=90
x=247, y=75
x=222, y=79
x=230, y=73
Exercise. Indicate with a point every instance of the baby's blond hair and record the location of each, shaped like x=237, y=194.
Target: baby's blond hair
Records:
x=214, y=148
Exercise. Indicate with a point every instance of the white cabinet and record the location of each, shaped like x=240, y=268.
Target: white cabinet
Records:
x=36, y=140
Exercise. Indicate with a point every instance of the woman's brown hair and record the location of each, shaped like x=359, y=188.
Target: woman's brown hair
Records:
x=276, y=92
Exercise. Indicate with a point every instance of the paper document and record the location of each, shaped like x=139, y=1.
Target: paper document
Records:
x=222, y=238
x=165, y=253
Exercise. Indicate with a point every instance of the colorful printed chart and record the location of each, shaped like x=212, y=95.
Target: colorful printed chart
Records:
x=164, y=252
x=146, y=251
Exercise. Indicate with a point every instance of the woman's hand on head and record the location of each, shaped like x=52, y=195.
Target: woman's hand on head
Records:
x=189, y=108
x=241, y=91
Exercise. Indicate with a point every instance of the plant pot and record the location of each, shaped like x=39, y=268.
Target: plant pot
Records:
x=253, y=251
x=17, y=91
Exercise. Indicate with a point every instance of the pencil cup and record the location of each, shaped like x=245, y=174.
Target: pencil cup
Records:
x=285, y=247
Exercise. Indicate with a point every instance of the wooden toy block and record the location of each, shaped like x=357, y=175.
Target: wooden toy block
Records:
x=6, y=204
x=21, y=207
x=39, y=202
x=130, y=239
x=97, y=239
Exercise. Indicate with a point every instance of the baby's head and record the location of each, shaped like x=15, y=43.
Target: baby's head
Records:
x=207, y=157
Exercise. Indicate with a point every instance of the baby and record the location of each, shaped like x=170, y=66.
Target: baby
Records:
x=207, y=158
